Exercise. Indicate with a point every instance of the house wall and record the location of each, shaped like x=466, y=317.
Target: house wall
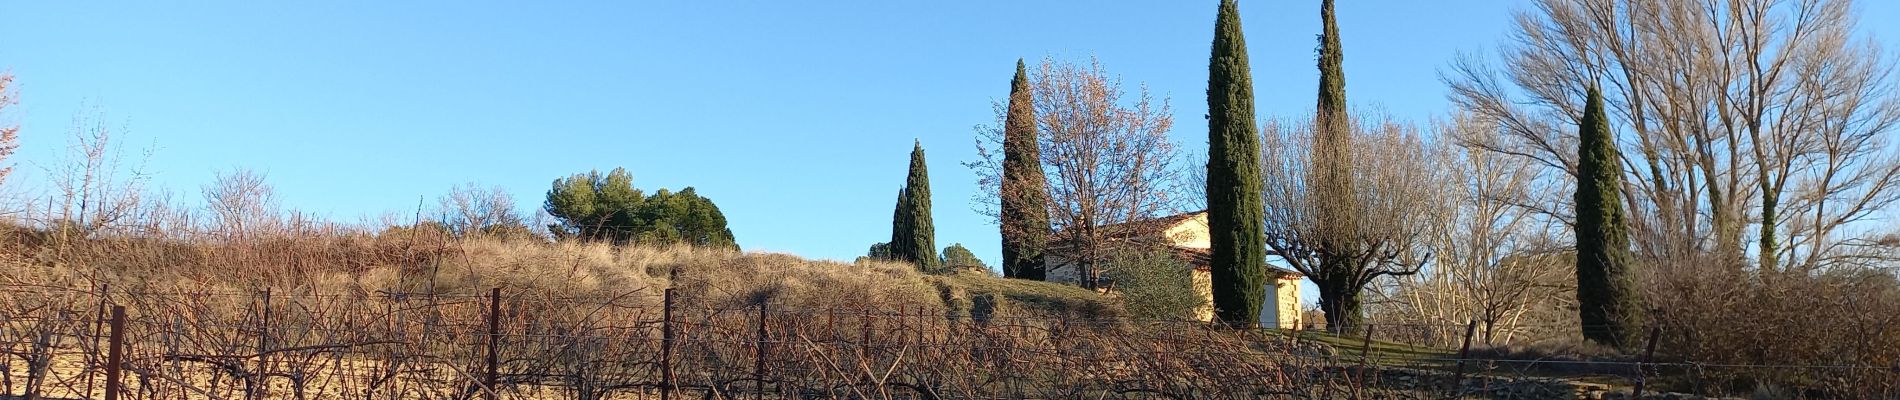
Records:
x=1190, y=233
x=1060, y=270
x=1282, y=308
x=1204, y=287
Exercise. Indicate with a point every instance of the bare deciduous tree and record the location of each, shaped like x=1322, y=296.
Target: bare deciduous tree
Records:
x=1494, y=262
x=1395, y=188
x=469, y=209
x=93, y=195
x=1108, y=160
x=242, y=205
x=1765, y=113
x=9, y=134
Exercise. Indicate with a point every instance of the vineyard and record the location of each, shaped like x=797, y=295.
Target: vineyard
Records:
x=642, y=343
x=647, y=343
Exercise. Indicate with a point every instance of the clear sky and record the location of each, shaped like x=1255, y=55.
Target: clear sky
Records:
x=796, y=117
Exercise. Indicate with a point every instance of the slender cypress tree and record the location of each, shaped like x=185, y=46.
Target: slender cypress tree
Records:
x=1236, y=214
x=1025, y=197
x=900, y=229
x=1340, y=267
x=1606, y=294
x=913, y=235
x=1332, y=75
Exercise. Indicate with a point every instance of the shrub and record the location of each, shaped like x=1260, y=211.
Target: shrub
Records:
x=1154, y=284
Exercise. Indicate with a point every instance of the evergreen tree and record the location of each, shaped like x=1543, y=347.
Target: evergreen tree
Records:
x=1339, y=277
x=913, y=236
x=879, y=252
x=606, y=207
x=900, y=229
x=1332, y=74
x=958, y=256
x=1235, y=212
x=1025, y=198
x=1606, y=293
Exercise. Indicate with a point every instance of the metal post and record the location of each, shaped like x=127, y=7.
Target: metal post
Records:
x=494, y=343
x=98, y=327
x=260, y=385
x=1458, y=379
x=1649, y=351
x=113, y=356
x=1365, y=354
x=666, y=347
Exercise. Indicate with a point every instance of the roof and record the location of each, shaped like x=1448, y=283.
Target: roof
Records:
x=1134, y=229
x=1199, y=257
x=1202, y=259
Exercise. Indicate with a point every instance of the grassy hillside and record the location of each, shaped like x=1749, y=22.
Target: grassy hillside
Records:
x=397, y=261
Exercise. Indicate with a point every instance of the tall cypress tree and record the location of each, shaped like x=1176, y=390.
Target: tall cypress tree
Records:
x=900, y=228
x=1606, y=293
x=1024, y=193
x=1339, y=270
x=1332, y=75
x=913, y=235
x=1236, y=214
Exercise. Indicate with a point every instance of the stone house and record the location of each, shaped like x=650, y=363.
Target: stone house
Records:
x=1186, y=235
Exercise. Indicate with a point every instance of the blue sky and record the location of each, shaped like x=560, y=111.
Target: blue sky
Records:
x=795, y=117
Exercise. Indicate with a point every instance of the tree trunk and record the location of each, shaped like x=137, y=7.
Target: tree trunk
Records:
x=1339, y=299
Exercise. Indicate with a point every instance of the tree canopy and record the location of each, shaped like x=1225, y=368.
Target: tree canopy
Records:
x=958, y=256
x=606, y=207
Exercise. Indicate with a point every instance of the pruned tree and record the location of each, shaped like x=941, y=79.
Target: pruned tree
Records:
x=1397, y=187
x=1105, y=159
x=1774, y=114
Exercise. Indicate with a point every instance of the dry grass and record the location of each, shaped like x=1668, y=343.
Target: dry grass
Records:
x=402, y=315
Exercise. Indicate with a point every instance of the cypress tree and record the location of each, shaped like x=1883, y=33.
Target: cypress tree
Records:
x=1332, y=75
x=1236, y=215
x=1024, y=195
x=913, y=236
x=1606, y=294
x=1338, y=278
x=900, y=229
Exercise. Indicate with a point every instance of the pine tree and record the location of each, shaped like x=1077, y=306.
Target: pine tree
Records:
x=1024, y=193
x=1235, y=211
x=958, y=256
x=1606, y=295
x=913, y=236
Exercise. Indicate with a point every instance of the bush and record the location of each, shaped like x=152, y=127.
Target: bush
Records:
x=1712, y=314
x=1154, y=284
